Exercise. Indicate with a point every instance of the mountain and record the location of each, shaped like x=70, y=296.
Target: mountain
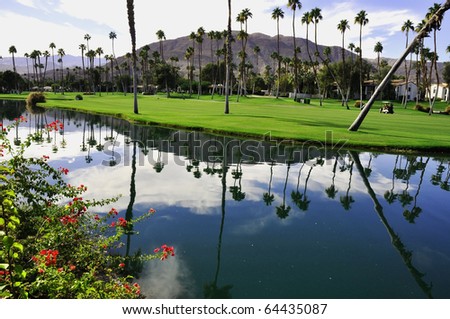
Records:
x=69, y=61
x=267, y=44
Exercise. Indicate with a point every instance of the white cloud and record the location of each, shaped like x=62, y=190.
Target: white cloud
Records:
x=28, y=3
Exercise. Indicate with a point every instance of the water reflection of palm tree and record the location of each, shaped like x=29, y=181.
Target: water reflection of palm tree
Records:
x=235, y=190
x=411, y=215
x=389, y=195
x=301, y=199
x=83, y=144
x=269, y=197
x=436, y=179
x=100, y=146
x=211, y=290
x=395, y=239
x=332, y=190
x=347, y=200
x=283, y=210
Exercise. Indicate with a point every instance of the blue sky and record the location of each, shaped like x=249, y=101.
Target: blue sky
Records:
x=34, y=24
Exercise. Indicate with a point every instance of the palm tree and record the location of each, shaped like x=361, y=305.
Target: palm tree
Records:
x=12, y=50
x=246, y=14
x=82, y=47
x=435, y=26
x=99, y=52
x=87, y=37
x=199, y=39
x=378, y=49
x=307, y=19
x=344, y=26
x=362, y=20
x=406, y=27
x=316, y=16
x=46, y=55
x=161, y=36
x=278, y=13
x=26, y=55
x=228, y=61
x=294, y=5
x=434, y=19
x=61, y=54
x=130, y=11
x=188, y=56
x=53, y=47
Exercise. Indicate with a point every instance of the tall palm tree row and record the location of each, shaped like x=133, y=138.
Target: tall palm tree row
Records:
x=294, y=5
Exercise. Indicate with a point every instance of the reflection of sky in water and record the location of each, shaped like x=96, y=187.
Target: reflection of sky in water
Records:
x=323, y=251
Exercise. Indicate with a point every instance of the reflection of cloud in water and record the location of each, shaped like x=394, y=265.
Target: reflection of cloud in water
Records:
x=167, y=279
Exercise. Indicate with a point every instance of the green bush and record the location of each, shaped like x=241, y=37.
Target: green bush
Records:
x=35, y=97
x=49, y=249
x=79, y=97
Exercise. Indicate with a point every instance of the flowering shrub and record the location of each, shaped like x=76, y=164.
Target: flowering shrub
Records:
x=51, y=245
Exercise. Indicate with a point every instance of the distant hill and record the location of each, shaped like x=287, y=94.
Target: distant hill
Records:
x=267, y=44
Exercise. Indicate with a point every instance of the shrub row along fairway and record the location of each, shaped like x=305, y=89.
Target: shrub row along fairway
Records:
x=282, y=118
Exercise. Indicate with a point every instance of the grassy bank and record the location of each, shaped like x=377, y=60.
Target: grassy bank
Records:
x=282, y=118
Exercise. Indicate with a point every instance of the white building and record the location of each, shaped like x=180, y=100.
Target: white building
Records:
x=442, y=91
x=402, y=89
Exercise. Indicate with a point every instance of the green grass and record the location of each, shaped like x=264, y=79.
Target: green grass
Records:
x=282, y=118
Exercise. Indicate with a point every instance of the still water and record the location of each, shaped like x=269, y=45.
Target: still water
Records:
x=253, y=219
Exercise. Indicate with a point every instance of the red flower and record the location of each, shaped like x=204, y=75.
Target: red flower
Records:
x=96, y=217
x=122, y=222
x=113, y=224
x=121, y=265
x=63, y=170
x=156, y=250
x=113, y=211
x=151, y=211
x=72, y=267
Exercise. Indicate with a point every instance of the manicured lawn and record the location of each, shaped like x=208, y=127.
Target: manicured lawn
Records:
x=283, y=119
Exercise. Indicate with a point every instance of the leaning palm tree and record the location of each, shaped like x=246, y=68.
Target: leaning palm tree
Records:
x=436, y=18
x=362, y=20
x=130, y=11
x=344, y=26
x=278, y=14
x=406, y=27
x=294, y=5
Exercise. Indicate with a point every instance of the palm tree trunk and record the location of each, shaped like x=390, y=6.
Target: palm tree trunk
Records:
x=130, y=10
x=228, y=62
x=425, y=30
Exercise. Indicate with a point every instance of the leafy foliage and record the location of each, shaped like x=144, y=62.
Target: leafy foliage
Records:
x=51, y=245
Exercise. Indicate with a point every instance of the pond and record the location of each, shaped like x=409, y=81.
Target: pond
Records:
x=257, y=219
